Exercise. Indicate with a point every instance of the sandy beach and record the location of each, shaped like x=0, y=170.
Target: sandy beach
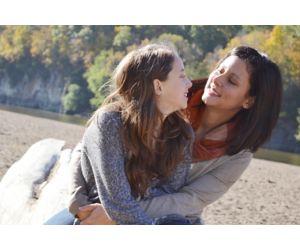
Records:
x=267, y=193
x=18, y=132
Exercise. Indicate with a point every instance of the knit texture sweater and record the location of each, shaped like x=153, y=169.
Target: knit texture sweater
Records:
x=103, y=159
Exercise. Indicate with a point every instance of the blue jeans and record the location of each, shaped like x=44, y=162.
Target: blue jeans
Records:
x=64, y=217
x=175, y=219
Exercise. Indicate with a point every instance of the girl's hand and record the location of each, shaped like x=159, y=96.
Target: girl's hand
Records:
x=94, y=214
x=85, y=211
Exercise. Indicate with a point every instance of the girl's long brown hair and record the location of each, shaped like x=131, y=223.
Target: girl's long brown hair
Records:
x=152, y=151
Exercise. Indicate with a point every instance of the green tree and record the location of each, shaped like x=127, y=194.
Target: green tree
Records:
x=99, y=74
x=208, y=37
x=190, y=54
x=149, y=32
x=75, y=99
x=249, y=28
x=123, y=37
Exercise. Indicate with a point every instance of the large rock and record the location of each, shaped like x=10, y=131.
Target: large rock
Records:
x=35, y=187
x=35, y=91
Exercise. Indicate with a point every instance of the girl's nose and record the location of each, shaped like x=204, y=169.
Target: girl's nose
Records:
x=189, y=83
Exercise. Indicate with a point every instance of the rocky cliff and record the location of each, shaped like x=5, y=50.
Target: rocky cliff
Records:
x=34, y=92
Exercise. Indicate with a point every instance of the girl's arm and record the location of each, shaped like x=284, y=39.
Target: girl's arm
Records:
x=103, y=157
x=77, y=186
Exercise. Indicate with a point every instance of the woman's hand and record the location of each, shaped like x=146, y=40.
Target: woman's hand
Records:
x=94, y=214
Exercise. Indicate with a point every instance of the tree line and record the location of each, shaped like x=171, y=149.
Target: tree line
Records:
x=86, y=55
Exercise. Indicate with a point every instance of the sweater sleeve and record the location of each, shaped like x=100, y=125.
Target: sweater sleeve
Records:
x=103, y=154
x=77, y=187
x=201, y=190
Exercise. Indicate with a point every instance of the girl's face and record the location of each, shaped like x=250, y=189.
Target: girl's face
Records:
x=228, y=86
x=171, y=94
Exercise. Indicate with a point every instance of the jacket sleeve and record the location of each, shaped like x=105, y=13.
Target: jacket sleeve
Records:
x=103, y=154
x=201, y=189
x=78, y=195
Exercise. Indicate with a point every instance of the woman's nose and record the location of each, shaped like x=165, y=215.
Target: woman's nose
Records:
x=219, y=80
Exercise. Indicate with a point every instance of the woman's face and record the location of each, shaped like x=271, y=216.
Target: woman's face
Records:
x=172, y=93
x=228, y=86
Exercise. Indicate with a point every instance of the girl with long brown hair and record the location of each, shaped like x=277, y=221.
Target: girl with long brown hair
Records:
x=138, y=143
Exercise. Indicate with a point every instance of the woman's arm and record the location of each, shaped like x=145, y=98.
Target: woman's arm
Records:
x=201, y=189
x=103, y=157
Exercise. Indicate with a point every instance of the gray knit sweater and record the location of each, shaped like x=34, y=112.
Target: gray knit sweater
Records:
x=102, y=165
